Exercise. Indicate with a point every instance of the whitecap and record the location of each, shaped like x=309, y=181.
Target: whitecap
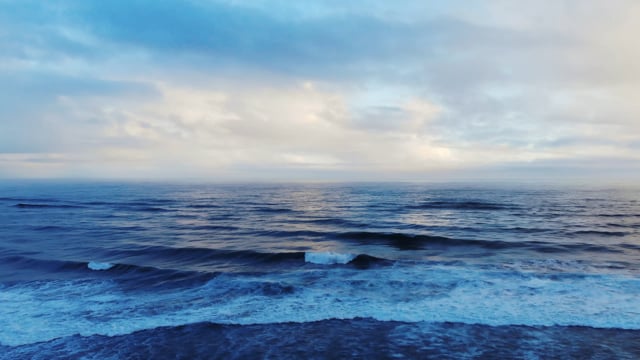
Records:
x=94, y=265
x=327, y=258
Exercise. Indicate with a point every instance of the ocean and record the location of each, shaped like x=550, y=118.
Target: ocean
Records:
x=348, y=270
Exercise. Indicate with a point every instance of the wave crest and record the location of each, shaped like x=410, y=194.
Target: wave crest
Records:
x=94, y=265
x=328, y=258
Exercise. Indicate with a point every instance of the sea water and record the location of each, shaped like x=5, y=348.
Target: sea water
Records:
x=149, y=270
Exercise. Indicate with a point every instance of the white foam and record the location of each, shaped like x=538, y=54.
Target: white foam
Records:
x=93, y=265
x=44, y=310
x=327, y=258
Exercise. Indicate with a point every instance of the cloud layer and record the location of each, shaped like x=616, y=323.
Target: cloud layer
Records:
x=370, y=90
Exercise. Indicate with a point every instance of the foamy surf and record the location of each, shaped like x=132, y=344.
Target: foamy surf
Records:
x=328, y=258
x=406, y=292
x=93, y=265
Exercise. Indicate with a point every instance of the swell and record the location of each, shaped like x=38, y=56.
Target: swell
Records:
x=138, y=275
x=202, y=206
x=30, y=263
x=133, y=202
x=599, y=233
x=50, y=228
x=418, y=242
x=46, y=206
x=618, y=215
x=344, y=338
x=208, y=227
x=190, y=255
x=266, y=209
x=137, y=205
x=159, y=264
x=149, y=209
x=292, y=233
x=331, y=221
x=143, y=206
x=462, y=205
x=30, y=199
x=235, y=259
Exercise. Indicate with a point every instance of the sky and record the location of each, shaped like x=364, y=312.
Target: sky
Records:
x=364, y=90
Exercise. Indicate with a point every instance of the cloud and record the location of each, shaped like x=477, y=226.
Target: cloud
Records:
x=35, y=113
x=363, y=88
x=301, y=125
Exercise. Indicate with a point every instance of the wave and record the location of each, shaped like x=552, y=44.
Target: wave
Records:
x=99, y=203
x=140, y=205
x=630, y=246
x=37, y=264
x=331, y=221
x=99, y=266
x=327, y=258
x=361, y=261
x=202, y=206
x=207, y=227
x=616, y=215
x=419, y=242
x=148, y=205
x=196, y=255
x=242, y=259
x=150, y=209
x=50, y=228
x=293, y=233
x=147, y=276
x=28, y=199
x=462, y=205
x=133, y=202
x=399, y=240
x=600, y=233
x=151, y=265
x=407, y=292
x=155, y=201
x=525, y=230
x=265, y=209
x=50, y=206
x=343, y=339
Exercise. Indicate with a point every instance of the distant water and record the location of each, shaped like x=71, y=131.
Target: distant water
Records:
x=318, y=270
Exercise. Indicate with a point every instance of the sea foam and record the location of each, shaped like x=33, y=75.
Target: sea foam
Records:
x=94, y=265
x=404, y=292
x=328, y=258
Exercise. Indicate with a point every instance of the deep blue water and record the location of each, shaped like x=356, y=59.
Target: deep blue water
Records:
x=147, y=270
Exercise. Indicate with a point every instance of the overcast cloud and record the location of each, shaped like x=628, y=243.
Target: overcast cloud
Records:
x=320, y=90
